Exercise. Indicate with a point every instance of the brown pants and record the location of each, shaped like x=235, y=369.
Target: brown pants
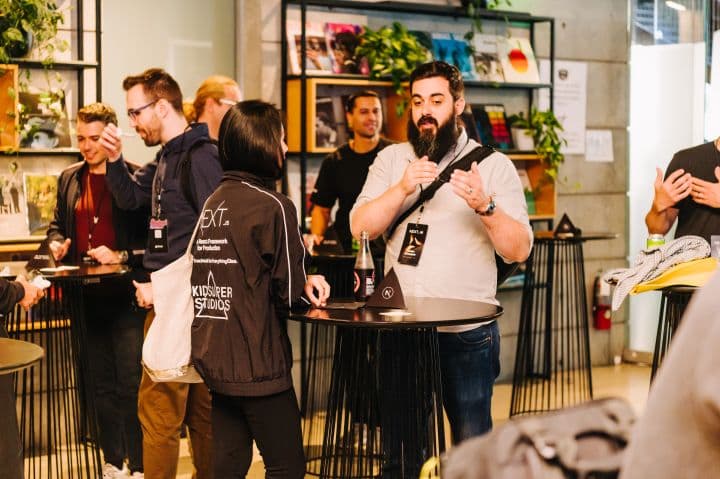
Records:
x=163, y=408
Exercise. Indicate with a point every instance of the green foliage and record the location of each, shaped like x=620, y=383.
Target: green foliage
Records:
x=474, y=8
x=544, y=128
x=392, y=52
x=38, y=18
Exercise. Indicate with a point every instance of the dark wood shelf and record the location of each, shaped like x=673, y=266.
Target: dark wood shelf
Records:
x=70, y=65
x=41, y=152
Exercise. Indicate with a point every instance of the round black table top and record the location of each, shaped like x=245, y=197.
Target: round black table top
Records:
x=420, y=313
x=550, y=236
x=16, y=355
x=82, y=270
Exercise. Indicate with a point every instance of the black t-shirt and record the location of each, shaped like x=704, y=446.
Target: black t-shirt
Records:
x=693, y=218
x=342, y=176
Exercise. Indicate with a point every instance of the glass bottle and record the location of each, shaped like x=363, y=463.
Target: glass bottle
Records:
x=364, y=270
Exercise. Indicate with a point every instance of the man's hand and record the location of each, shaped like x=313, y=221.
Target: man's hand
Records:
x=110, y=142
x=669, y=192
x=468, y=186
x=143, y=294
x=59, y=250
x=104, y=255
x=33, y=294
x=417, y=173
x=311, y=240
x=706, y=193
x=317, y=290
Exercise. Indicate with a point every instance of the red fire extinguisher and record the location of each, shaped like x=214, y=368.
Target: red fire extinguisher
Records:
x=601, y=304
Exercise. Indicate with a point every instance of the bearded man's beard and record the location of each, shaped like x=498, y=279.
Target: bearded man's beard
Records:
x=433, y=145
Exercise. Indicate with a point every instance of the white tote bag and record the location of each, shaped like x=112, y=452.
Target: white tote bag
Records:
x=166, y=350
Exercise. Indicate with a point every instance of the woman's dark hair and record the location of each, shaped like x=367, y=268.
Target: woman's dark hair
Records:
x=250, y=139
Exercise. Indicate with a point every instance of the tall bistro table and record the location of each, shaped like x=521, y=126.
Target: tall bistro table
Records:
x=14, y=357
x=56, y=405
x=552, y=362
x=374, y=395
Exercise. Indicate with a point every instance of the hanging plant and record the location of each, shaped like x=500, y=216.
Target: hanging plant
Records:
x=26, y=24
x=474, y=9
x=392, y=52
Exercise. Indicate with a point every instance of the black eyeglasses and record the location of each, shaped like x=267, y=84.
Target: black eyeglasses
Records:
x=133, y=113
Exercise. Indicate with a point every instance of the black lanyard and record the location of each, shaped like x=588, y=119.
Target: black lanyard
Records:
x=157, y=186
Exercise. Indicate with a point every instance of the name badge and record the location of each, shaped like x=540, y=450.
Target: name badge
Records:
x=158, y=235
x=412, y=245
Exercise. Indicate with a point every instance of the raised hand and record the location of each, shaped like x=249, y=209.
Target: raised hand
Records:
x=417, y=173
x=668, y=193
x=468, y=186
x=705, y=192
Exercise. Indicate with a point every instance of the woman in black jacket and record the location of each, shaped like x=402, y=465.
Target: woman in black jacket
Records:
x=248, y=271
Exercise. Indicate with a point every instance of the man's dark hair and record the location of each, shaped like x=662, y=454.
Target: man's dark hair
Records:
x=157, y=84
x=97, y=112
x=440, y=69
x=250, y=139
x=350, y=102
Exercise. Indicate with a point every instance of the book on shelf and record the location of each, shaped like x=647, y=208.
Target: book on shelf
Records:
x=455, y=51
x=518, y=60
x=527, y=190
x=330, y=129
x=492, y=126
x=318, y=60
x=13, y=208
x=342, y=39
x=487, y=59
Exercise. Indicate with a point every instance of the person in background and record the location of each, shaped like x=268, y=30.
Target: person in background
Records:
x=88, y=225
x=689, y=193
x=214, y=97
x=343, y=172
x=11, y=449
x=175, y=185
x=477, y=214
x=240, y=344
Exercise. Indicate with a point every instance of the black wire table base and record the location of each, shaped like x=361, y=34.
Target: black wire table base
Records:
x=56, y=413
x=672, y=306
x=373, y=404
x=552, y=364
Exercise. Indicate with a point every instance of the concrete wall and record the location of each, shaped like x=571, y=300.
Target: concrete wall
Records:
x=586, y=30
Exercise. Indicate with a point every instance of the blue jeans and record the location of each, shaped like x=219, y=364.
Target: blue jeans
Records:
x=114, y=345
x=469, y=364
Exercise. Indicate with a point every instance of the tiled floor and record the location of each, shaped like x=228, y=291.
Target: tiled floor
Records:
x=628, y=381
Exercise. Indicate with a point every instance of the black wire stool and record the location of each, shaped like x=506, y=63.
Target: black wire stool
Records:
x=672, y=306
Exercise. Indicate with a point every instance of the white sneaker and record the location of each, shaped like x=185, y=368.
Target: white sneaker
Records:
x=111, y=472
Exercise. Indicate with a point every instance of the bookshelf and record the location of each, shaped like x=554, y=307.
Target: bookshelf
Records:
x=300, y=92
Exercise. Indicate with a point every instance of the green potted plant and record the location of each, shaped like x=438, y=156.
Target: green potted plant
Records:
x=394, y=52
x=544, y=128
x=25, y=24
x=474, y=8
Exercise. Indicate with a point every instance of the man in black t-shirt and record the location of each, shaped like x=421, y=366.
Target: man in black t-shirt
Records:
x=343, y=172
x=689, y=193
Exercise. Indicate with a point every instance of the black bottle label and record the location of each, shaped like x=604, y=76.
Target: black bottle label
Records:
x=364, y=283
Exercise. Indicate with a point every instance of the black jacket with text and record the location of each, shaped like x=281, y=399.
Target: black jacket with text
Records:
x=248, y=270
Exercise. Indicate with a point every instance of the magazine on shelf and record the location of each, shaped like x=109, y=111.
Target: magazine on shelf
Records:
x=518, y=60
x=318, y=60
x=492, y=126
x=44, y=122
x=342, y=39
x=326, y=123
x=487, y=60
x=448, y=48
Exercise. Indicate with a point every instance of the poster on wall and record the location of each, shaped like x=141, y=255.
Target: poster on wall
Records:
x=13, y=220
x=40, y=194
x=570, y=90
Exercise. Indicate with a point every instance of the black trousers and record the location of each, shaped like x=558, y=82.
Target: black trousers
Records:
x=272, y=421
x=11, y=460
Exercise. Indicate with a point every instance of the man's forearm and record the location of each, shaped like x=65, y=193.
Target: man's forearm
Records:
x=376, y=216
x=320, y=220
x=509, y=237
x=660, y=221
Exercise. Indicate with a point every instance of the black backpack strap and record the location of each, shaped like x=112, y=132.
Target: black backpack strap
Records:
x=184, y=170
x=464, y=164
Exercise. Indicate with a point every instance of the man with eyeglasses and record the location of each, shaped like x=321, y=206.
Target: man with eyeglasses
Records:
x=214, y=97
x=154, y=106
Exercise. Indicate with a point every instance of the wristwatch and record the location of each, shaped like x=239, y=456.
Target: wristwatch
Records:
x=123, y=254
x=489, y=210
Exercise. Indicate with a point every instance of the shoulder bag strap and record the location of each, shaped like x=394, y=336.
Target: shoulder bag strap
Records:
x=476, y=155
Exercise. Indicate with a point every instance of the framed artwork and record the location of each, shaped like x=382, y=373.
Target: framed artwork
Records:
x=40, y=195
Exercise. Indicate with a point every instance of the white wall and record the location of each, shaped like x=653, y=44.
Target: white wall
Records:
x=666, y=115
x=188, y=38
